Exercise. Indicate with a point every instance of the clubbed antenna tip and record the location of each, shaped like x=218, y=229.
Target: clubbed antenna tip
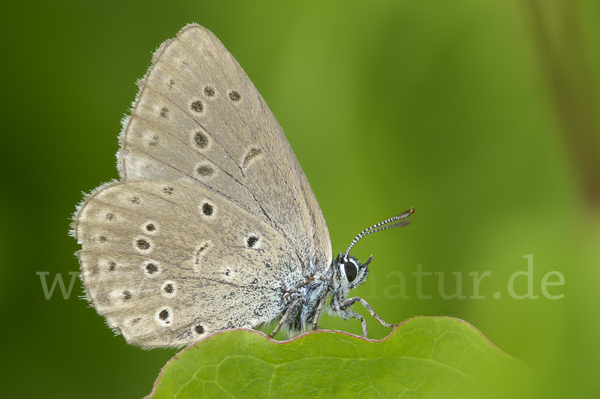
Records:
x=384, y=225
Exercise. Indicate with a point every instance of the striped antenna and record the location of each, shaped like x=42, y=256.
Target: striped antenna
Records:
x=383, y=226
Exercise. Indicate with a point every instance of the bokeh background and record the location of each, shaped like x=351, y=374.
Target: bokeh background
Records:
x=483, y=115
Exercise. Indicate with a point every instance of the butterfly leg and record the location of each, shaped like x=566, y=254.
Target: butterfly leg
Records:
x=284, y=317
x=349, y=302
x=349, y=313
x=319, y=311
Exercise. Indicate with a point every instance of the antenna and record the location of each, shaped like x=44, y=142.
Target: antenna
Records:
x=384, y=226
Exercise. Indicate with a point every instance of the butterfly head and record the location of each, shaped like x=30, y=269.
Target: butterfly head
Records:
x=350, y=271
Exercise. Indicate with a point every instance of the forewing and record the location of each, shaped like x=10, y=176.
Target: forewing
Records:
x=199, y=119
x=168, y=263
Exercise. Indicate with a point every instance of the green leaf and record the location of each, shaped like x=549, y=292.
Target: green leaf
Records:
x=423, y=357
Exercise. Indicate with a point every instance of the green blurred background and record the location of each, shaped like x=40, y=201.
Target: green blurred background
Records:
x=480, y=114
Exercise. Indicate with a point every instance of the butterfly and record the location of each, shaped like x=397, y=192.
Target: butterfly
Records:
x=213, y=224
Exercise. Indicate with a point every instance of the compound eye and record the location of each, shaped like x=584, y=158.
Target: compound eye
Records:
x=351, y=271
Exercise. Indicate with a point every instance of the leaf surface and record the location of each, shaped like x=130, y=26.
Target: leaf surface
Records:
x=437, y=357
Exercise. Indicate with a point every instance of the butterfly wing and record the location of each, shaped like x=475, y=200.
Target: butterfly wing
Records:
x=168, y=263
x=199, y=119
